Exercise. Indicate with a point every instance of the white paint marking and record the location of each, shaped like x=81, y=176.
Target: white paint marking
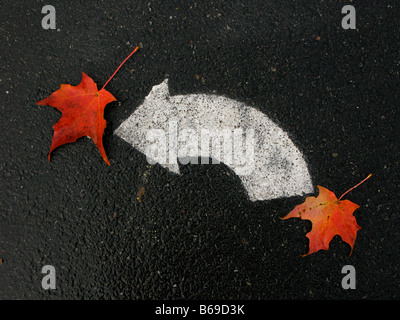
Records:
x=279, y=169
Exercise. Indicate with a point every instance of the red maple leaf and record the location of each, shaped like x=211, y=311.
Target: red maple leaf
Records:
x=82, y=108
x=330, y=216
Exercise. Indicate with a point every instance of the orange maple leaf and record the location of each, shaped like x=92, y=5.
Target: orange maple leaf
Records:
x=82, y=108
x=330, y=216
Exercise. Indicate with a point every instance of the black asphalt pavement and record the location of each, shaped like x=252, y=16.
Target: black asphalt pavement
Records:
x=197, y=236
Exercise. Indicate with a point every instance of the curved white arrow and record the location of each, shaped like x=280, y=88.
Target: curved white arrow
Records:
x=272, y=166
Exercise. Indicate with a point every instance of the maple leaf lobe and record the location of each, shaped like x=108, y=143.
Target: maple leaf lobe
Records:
x=82, y=109
x=329, y=216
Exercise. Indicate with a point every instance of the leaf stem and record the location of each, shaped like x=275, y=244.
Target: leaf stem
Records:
x=120, y=66
x=369, y=176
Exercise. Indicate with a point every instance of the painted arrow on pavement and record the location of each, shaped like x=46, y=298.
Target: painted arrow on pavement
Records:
x=184, y=128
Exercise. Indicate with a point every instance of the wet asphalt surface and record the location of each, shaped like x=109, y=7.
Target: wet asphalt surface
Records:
x=197, y=236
